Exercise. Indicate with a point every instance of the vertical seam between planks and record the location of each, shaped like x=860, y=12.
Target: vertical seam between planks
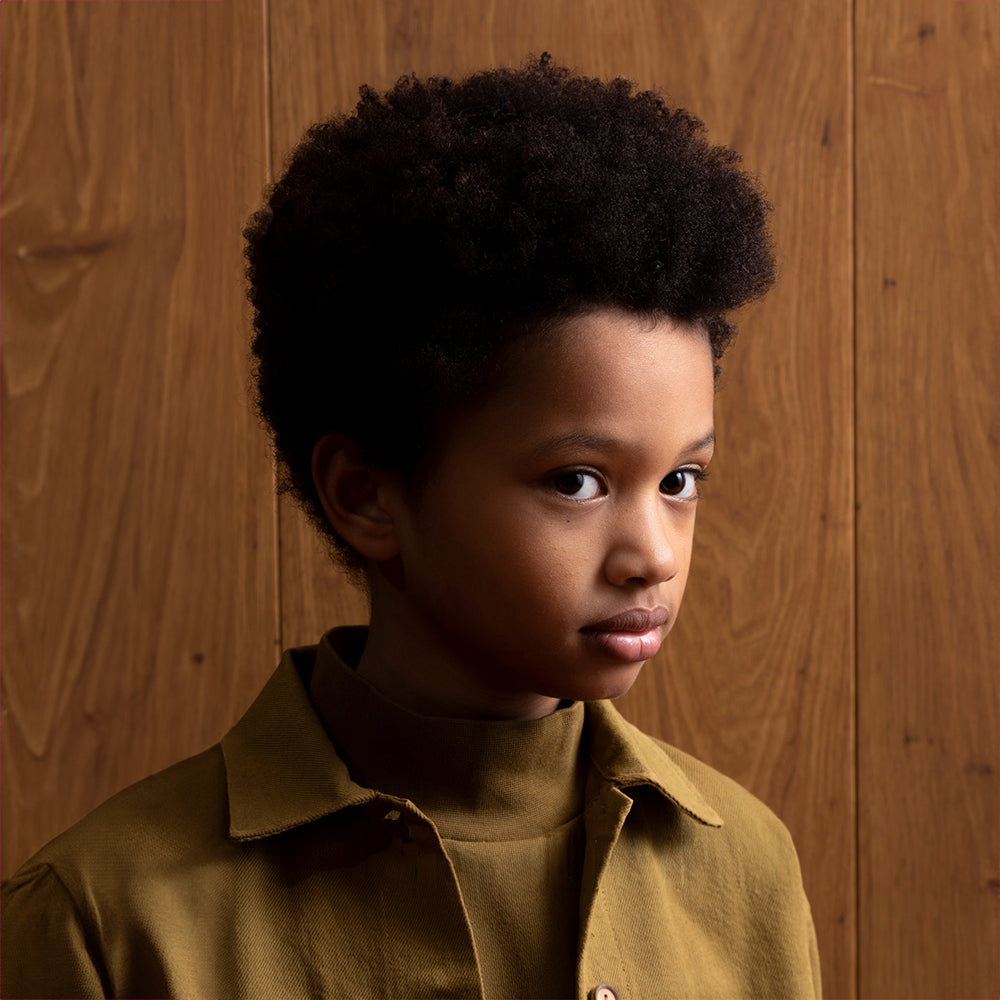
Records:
x=852, y=179
x=265, y=20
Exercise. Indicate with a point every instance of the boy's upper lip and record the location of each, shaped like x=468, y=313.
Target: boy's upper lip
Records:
x=634, y=620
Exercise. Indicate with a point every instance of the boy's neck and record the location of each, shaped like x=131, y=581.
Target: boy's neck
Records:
x=415, y=671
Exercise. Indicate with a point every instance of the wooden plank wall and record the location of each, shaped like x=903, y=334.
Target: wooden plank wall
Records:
x=139, y=542
x=926, y=286
x=151, y=576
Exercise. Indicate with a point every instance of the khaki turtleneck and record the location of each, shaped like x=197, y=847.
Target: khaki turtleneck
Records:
x=507, y=800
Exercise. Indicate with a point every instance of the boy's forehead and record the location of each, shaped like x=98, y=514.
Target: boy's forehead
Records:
x=585, y=362
x=594, y=382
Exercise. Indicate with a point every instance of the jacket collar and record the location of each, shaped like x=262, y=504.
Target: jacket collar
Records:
x=628, y=758
x=282, y=771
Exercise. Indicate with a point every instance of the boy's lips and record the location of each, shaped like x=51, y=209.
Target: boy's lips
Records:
x=632, y=636
x=635, y=620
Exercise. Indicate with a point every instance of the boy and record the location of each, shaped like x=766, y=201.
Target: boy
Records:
x=488, y=320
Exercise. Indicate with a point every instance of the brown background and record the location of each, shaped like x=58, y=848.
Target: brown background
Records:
x=837, y=651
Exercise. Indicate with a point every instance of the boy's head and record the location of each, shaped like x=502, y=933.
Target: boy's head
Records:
x=409, y=248
x=545, y=552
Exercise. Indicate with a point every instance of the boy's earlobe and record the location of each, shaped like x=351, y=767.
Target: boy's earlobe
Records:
x=348, y=488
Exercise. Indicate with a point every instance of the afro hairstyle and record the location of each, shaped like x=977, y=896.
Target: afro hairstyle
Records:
x=407, y=243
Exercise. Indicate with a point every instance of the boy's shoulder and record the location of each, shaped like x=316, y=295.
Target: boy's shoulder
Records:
x=172, y=813
x=737, y=824
x=736, y=804
x=186, y=808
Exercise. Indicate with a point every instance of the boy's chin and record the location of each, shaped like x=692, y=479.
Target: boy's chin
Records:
x=606, y=686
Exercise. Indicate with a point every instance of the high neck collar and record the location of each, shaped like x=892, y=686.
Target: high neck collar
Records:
x=476, y=779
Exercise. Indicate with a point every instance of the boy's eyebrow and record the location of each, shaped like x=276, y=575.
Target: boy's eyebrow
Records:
x=576, y=439
x=598, y=442
x=702, y=443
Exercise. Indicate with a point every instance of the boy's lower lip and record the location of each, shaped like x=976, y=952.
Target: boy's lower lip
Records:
x=629, y=647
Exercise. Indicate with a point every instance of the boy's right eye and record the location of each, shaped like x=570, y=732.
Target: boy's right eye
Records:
x=577, y=485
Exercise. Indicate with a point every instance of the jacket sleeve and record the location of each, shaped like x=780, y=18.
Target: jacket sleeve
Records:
x=44, y=940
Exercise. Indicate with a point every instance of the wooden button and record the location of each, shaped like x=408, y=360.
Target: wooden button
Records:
x=604, y=992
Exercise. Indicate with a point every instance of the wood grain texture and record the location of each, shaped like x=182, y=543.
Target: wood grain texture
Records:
x=758, y=677
x=927, y=492
x=138, y=511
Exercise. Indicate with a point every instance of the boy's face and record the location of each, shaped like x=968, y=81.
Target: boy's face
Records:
x=564, y=500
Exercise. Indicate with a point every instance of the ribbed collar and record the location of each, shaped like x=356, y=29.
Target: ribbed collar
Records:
x=283, y=771
x=511, y=778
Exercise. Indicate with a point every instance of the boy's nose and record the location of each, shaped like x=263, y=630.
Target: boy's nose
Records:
x=643, y=552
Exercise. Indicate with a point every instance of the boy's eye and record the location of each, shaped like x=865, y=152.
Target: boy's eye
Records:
x=577, y=485
x=682, y=484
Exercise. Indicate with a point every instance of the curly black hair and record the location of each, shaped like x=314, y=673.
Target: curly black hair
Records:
x=408, y=242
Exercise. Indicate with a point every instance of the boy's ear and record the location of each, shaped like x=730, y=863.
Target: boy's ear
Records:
x=349, y=489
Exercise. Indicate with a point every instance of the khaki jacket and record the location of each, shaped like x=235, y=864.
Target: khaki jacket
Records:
x=260, y=869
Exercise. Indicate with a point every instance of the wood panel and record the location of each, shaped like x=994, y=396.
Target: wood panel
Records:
x=757, y=679
x=927, y=320
x=138, y=512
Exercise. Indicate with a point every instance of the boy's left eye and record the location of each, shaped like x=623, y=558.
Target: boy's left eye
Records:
x=681, y=484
